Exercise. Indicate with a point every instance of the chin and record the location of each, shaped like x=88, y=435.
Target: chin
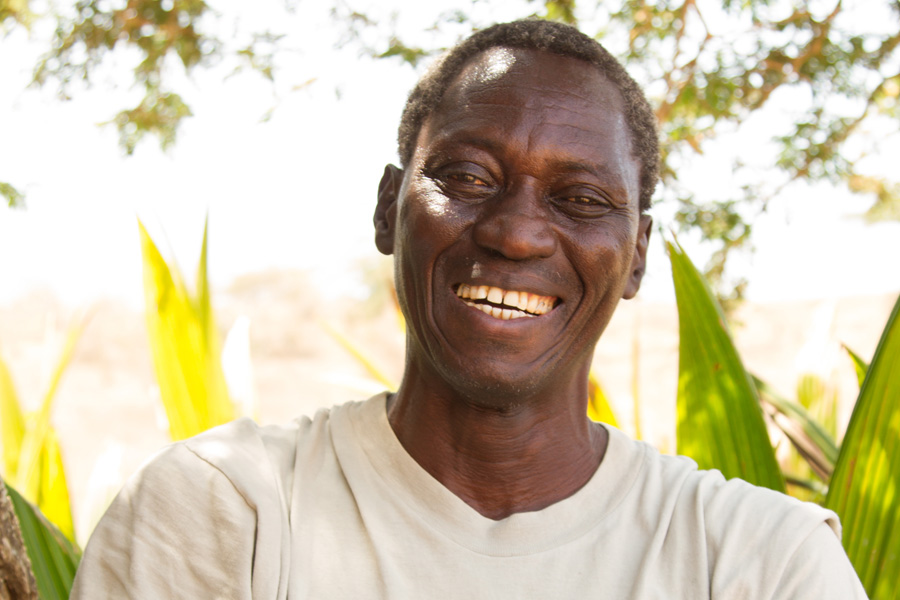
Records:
x=494, y=388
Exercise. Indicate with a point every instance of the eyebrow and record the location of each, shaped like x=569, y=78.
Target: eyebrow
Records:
x=599, y=171
x=474, y=140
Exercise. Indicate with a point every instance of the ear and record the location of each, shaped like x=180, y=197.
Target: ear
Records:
x=639, y=261
x=386, y=209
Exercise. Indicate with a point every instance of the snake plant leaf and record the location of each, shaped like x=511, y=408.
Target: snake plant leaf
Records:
x=184, y=345
x=54, y=559
x=810, y=439
x=865, y=487
x=720, y=423
x=859, y=364
x=12, y=421
x=598, y=405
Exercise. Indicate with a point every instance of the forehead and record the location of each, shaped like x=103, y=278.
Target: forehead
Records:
x=532, y=79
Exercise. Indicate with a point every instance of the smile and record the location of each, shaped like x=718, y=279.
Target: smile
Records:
x=503, y=304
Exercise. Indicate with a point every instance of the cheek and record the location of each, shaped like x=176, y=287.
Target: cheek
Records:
x=604, y=262
x=430, y=221
x=428, y=224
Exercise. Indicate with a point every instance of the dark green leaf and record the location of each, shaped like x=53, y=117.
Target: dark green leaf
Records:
x=54, y=559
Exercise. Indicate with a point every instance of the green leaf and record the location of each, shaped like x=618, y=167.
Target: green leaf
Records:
x=54, y=559
x=865, y=488
x=859, y=364
x=810, y=439
x=720, y=423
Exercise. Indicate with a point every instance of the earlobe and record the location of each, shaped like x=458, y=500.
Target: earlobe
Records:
x=639, y=261
x=386, y=209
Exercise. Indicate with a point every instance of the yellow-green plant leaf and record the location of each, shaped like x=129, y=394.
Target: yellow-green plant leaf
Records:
x=53, y=492
x=54, y=559
x=865, y=487
x=12, y=422
x=859, y=364
x=40, y=473
x=221, y=406
x=810, y=439
x=720, y=423
x=184, y=345
x=598, y=405
x=361, y=357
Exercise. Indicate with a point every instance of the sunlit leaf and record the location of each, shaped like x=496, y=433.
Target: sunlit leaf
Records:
x=599, y=409
x=364, y=360
x=54, y=559
x=720, y=423
x=184, y=345
x=40, y=473
x=859, y=364
x=53, y=491
x=14, y=198
x=810, y=439
x=865, y=488
x=12, y=422
x=561, y=10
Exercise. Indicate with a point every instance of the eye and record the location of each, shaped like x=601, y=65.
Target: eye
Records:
x=583, y=202
x=465, y=181
x=465, y=178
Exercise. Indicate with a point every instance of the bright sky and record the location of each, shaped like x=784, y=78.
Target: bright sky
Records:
x=298, y=190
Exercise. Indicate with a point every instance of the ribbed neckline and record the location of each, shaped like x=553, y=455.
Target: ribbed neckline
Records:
x=517, y=535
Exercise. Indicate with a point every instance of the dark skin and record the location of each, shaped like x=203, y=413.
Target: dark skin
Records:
x=522, y=181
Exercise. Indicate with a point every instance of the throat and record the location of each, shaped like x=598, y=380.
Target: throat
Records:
x=502, y=464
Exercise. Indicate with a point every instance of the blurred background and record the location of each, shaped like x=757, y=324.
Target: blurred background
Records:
x=274, y=120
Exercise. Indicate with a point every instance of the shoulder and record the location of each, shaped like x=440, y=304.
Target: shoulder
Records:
x=221, y=498
x=756, y=542
x=727, y=506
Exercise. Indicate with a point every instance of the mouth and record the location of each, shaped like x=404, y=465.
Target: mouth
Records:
x=505, y=304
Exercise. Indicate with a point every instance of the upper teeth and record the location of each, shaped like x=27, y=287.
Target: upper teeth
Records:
x=514, y=304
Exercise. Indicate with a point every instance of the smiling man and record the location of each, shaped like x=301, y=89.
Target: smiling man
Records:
x=516, y=223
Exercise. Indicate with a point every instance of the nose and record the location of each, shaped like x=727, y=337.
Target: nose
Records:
x=515, y=224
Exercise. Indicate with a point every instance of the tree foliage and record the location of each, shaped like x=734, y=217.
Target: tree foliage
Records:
x=709, y=67
x=826, y=75
x=14, y=198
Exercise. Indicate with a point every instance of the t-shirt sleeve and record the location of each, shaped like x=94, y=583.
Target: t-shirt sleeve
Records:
x=819, y=569
x=178, y=529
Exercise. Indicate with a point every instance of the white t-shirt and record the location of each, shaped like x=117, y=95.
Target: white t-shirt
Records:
x=333, y=507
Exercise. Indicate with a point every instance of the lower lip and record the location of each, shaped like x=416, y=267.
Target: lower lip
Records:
x=514, y=315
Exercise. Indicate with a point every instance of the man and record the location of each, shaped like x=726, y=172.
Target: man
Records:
x=516, y=224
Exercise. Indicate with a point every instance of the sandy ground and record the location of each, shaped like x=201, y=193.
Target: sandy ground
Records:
x=109, y=418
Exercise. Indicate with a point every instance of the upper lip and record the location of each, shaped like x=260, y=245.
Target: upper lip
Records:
x=516, y=302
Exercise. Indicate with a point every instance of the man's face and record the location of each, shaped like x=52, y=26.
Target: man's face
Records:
x=516, y=226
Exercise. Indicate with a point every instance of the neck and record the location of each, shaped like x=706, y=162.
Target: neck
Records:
x=520, y=457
